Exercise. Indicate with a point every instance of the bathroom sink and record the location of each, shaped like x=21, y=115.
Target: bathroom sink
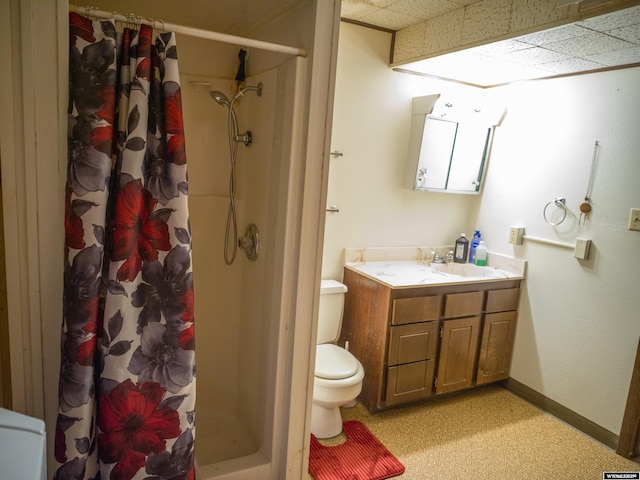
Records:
x=411, y=273
x=467, y=270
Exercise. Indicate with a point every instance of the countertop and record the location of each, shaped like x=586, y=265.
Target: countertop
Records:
x=408, y=273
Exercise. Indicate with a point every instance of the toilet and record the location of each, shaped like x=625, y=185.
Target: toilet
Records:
x=338, y=374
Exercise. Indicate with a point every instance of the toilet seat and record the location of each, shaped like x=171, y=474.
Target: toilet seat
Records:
x=334, y=362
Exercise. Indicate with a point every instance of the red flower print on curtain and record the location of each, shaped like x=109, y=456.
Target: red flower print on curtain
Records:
x=127, y=375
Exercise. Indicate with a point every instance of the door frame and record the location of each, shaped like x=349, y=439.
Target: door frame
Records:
x=629, y=439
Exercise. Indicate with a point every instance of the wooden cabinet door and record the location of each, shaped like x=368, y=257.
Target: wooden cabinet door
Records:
x=412, y=343
x=458, y=348
x=410, y=382
x=495, y=350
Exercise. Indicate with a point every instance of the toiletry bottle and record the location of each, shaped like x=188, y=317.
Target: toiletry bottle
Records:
x=474, y=244
x=481, y=254
x=461, y=250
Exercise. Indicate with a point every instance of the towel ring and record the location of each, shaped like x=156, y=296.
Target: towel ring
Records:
x=560, y=203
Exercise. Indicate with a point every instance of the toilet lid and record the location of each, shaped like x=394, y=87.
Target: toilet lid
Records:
x=334, y=363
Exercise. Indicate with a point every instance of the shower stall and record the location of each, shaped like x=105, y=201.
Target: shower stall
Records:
x=237, y=306
x=254, y=320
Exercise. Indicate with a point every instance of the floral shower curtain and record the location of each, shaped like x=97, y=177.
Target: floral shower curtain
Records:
x=127, y=378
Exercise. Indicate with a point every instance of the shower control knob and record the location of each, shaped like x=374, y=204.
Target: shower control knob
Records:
x=250, y=243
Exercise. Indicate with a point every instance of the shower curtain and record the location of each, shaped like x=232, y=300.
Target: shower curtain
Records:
x=127, y=376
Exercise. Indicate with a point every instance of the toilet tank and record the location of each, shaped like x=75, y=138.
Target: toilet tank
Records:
x=330, y=313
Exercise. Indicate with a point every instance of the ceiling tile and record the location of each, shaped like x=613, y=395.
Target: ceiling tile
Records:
x=556, y=34
x=571, y=65
x=609, y=21
x=534, y=56
x=381, y=3
x=497, y=49
x=590, y=44
x=421, y=10
x=443, y=31
x=389, y=19
x=618, y=57
x=486, y=19
x=630, y=33
x=527, y=14
x=354, y=10
x=413, y=41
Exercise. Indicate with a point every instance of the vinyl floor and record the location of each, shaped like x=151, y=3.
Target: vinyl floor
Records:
x=486, y=433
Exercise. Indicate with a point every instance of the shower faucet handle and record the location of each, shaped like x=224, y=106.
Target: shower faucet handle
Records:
x=250, y=243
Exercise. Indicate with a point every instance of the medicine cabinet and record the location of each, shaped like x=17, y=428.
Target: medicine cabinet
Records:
x=448, y=145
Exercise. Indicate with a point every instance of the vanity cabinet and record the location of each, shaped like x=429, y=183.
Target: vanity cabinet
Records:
x=417, y=342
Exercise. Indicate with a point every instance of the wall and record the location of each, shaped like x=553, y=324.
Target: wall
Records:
x=371, y=120
x=578, y=327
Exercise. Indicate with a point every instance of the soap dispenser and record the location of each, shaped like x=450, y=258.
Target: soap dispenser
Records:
x=461, y=250
x=481, y=254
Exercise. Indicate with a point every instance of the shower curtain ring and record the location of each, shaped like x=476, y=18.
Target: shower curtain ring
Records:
x=90, y=13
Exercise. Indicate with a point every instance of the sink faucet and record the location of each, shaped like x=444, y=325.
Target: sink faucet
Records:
x=442, y=259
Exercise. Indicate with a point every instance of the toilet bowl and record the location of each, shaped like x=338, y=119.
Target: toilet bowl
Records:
x=338, y=374
x=337, y=382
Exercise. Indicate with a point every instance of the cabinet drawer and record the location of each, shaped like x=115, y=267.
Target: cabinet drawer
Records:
x=407, y=383
x=412, y=343
x=416, y=309
x=502, y=300
x=463, y=304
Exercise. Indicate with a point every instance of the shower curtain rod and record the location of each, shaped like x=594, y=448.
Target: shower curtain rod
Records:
x=192, y=32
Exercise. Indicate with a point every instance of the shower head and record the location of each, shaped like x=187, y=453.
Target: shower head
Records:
x=219, y=97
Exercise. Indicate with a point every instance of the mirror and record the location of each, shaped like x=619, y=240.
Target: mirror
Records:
x=446, y=154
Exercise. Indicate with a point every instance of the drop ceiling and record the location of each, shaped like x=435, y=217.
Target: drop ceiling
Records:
x=607, y=41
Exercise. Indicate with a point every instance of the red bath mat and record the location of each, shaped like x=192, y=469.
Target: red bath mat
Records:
x=361, y=457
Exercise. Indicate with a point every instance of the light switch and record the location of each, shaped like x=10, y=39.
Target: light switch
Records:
x=634, y=219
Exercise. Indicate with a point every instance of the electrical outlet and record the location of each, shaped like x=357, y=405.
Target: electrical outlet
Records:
x=634, y=219
x=515, y=235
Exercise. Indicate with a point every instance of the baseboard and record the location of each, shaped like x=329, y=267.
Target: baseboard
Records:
x=574, y=419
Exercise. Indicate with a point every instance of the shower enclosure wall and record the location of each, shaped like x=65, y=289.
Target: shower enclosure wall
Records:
x=237, y=311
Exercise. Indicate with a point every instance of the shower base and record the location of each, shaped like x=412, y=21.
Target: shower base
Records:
x=220, y=439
